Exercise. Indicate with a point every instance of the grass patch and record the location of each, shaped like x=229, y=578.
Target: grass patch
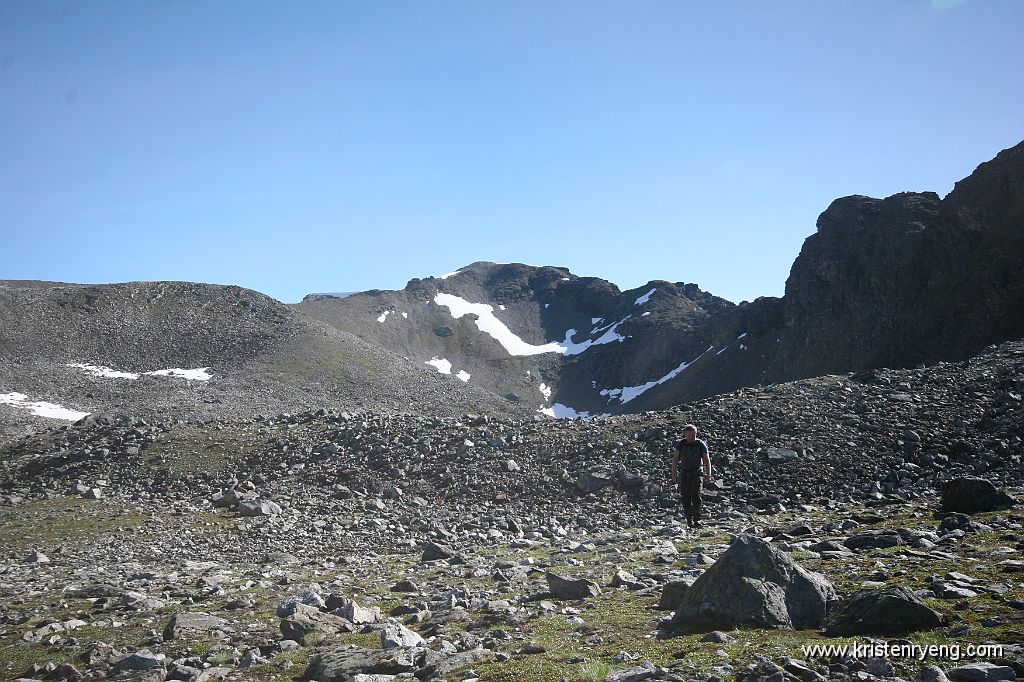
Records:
x=62, y=520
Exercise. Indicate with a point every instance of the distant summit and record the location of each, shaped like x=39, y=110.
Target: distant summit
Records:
x=333, y=294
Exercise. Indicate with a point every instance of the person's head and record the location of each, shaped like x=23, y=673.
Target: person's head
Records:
x=689, y=432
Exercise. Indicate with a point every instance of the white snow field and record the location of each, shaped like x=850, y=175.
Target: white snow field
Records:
x=496, y=329
x=560, y=411
x=197, y=374
x=463, y=374
x=645, y=298
x=41, y=409
x=627, y=393
x=440, y=364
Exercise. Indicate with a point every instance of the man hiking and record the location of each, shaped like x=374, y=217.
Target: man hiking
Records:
x=690, y=459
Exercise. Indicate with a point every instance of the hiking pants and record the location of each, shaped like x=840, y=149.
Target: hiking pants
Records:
x=689, y=488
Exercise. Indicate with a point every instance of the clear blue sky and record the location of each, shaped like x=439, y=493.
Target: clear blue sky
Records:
x=334, y=146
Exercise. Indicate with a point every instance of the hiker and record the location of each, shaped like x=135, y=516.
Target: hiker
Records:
x=690, y=459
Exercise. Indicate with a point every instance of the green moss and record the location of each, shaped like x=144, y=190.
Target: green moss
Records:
x=62, y=520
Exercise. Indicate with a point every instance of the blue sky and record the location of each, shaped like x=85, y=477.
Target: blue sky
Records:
x=309, y=146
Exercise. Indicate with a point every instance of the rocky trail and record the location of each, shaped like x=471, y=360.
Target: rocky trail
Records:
x=336, y=546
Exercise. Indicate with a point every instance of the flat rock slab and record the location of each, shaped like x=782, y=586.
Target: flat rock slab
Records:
x=340, y=663
x=569, y=588
x=981, y=672
x=184, y=624
x=449, y=664
x=754, y=584
x=889, y=611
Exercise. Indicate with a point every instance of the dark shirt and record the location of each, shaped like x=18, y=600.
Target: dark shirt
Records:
x=691, y=455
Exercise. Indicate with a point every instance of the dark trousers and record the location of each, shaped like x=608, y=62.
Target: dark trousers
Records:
x=689, y=488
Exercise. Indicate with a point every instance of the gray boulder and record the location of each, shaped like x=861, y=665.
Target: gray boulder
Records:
x=568, y=588
x=982, y=672
x=184, y=624
x=433, y=551
x=672, y=593
x=779, y=455
x=143, y=659
x=754, y=584
x=970, y=495
x=308, y=598
x=592, y=480
x=342, y=662
x=888, y=611
x=359, y=615
x=306, y=620
x=394, y=635
x=449, y=664
x=931, y=673
x=873, y=540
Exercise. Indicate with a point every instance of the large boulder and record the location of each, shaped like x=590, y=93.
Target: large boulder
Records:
x=342, y=662
x=569, y=588
x=594, y=479
x=258, y=507
x=189, y=623
x=672, y=593
x=306, y=620
x=887, y=611
x=394, y=635
x=969, y=495
x=754, y=584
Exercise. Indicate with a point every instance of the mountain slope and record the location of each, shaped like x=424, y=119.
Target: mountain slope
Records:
x=94, y=348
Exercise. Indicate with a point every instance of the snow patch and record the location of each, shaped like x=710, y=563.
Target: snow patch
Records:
x=628, y=393
x=463, y=374
x=722, y=351
x=405, y=315
x=41, y=409
x=383, y=316
x=101, y=371
x=596, y=320
x=645, y=314
x=450, y=274
x=545, y=391
x=442, y=365
x=645, y=298
x=496, y=329
x=198, y=374
x=741, y=336
x=560, y=411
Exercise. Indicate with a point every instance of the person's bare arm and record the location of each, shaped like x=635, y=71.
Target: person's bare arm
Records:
x=707, y=466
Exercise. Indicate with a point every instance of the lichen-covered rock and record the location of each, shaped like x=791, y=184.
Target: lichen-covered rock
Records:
x=887, y=611
x=754, y=584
